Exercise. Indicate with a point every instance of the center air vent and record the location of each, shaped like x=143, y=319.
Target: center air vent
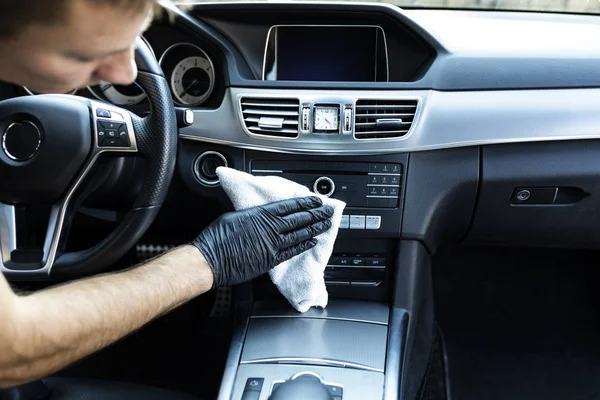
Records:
x=271, y=117
x=376, y=119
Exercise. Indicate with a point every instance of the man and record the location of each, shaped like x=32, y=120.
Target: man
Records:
x=53, y=47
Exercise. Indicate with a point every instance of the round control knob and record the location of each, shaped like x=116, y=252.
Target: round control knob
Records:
x=205, y=167
x=303, y=385
x=324, y=186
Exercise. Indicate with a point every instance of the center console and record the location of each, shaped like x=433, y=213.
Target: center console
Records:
x=343, y=351
x=344, y=345
x=359, y=346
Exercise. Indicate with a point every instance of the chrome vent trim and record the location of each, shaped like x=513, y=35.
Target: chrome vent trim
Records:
x=384, y=118
x=273, y=117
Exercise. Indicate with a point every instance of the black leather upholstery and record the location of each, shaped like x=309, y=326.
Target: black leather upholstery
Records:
x=89, y=389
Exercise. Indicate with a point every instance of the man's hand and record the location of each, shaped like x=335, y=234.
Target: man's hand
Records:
x=243, y=245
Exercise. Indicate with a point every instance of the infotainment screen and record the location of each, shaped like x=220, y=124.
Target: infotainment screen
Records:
x=326, y=53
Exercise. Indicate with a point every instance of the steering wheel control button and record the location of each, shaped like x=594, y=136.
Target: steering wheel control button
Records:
x=102, y=113
x=373, y=222
x=345, y=224
x=324, y=186
x=21, y=140
x=113, y=134
x=205, y=167
x=357, y=222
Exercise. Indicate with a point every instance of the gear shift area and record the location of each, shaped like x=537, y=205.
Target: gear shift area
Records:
x=337, y=353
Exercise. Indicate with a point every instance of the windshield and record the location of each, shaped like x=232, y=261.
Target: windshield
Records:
x=564, y=6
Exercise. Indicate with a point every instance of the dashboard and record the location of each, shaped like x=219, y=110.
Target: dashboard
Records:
x=436, y=127
x=473, y=107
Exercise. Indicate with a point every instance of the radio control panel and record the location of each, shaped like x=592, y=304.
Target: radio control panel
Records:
x=359, y=184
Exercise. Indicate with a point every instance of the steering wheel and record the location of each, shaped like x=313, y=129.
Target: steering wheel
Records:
x=51, y=143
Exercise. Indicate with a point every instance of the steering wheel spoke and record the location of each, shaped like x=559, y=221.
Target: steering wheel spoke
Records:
x=19, y=259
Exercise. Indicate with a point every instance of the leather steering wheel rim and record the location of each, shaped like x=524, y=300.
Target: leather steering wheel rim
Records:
x=156, y=137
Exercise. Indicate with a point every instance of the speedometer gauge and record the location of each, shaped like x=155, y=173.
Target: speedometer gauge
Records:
x=190, y=73
x=192, y=80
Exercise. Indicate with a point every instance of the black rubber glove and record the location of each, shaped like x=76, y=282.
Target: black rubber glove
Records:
x=242, y=245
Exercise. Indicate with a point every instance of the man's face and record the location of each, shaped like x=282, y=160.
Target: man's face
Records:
x=93, y=43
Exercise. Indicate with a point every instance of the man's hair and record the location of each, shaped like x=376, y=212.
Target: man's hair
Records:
x=16, y=14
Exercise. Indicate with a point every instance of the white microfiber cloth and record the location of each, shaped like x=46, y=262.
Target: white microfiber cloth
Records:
x=301, y=279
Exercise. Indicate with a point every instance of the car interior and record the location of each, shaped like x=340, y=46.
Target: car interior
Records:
x=465, y=144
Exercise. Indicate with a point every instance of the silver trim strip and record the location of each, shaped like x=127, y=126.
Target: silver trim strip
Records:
x=58, y=212
x=267, y=171
x=356, y=266
x=444, y=120
x=312, y=361
x=363, y=321
x=378, y=185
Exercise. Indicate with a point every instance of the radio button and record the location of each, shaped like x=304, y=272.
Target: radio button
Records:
x=375, y=168
x=324, y=186
x=343, y=261
x=345, y=224
x=384, y=180
x=373, y=179
x=394, y=191
x=357, y=222
x=395, y=180
x=373, y=222
x=347, y=187
x=375, y=262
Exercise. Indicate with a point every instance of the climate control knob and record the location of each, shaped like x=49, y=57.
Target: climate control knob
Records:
x=324, y=186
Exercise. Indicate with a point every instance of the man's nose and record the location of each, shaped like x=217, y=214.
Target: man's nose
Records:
x=119, y=69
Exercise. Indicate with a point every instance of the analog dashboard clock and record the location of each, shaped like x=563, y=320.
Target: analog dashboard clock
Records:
x=327, y=119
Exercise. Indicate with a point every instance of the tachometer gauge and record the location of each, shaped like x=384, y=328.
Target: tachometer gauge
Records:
x=190, y=73
x=119, y=95
x=192, y=80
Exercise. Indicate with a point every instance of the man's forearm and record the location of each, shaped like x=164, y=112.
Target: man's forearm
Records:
x=50, y=329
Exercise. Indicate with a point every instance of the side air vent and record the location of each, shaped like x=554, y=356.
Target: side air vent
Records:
x=271, y=117
x=377, y=119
